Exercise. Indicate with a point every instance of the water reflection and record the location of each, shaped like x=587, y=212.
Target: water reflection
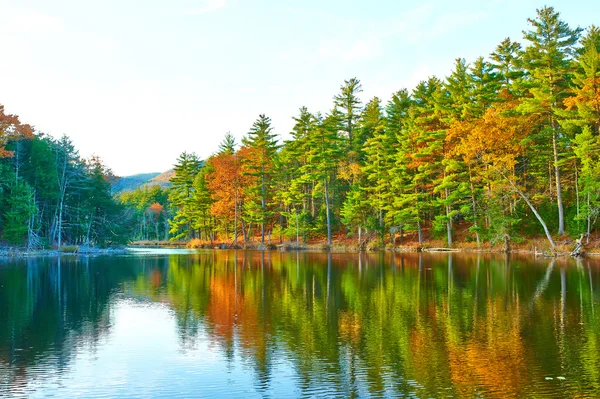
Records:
x=302, y=324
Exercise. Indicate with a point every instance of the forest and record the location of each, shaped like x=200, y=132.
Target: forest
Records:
x=506, y=147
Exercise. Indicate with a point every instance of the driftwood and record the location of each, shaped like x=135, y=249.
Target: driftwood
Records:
x=578, y=251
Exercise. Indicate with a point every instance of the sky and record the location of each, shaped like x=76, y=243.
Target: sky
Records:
x=139, y=82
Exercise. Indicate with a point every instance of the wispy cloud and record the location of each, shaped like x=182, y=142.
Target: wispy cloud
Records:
x=206, y=7
x=355, y=40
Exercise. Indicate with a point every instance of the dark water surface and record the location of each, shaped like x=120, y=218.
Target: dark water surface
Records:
x=251, y=324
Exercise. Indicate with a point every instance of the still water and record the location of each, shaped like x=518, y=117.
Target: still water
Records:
x=252, y=324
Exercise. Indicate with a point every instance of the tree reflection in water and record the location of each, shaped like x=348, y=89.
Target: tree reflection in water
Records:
x=345, y=324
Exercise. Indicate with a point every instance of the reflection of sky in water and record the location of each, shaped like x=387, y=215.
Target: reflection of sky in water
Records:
x=143, y=357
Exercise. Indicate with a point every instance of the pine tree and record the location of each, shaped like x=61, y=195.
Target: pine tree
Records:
x=587, y=149
x=181, y=196
x=200, y=204
x=228, y=144
x=379, y=150
x=323, y=156
x=582, y=115
x=70, y=170
x=583, y=109
x=293, y=158
x=20, y=207
x=507, y=61
x=405, y=207
x=348, y=105
x=261, y=139
x=98, y=213
x=548, y=60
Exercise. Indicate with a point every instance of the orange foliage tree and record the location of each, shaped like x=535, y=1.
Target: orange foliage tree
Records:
x=229, y=187
x=12, y=129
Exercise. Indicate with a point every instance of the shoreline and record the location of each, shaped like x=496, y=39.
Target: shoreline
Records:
x=529, y=249
x=13, y=253
x=526, y=248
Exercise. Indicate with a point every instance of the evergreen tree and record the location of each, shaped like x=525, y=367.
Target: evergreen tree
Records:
x=405, y=207
x=20, y=207
x=582, y=116
x=507, y=61
x=228, y=144
x=261, y=139
x=322, y=162
x=548, y=60
x=348, y=105
x=181, y=196
x=379, y=150
x=201, y=201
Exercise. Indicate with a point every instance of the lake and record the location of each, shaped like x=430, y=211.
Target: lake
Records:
x=186, y=324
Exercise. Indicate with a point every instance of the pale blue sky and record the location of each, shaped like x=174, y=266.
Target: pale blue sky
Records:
x=138, y=82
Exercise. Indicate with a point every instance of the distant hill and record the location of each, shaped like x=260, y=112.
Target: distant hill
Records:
x=162, y=179
x=133, y=182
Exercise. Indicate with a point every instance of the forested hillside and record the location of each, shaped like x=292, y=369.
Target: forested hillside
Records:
x=133, y=182
x=506, y=147
x=130, y=183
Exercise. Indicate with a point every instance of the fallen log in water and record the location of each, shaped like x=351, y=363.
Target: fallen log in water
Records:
x=441, y=250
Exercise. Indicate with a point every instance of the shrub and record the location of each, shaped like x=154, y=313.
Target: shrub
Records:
x=69, y=249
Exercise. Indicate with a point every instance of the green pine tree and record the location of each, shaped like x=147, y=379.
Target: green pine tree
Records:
x=181, y=196
x=262, y=139
x=548, y=61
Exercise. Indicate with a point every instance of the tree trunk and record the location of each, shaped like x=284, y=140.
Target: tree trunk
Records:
x=235, y=218
x=313, y=209
x=17, y=160
x=474, y=210
x=263, y=207
x=166, y=227
x=244, y=231
x=535, y=212
x=449, y=221
x=60, y=222
x=329, y=241
x=589, y=219
x=559, y=201
x=63, y=190
x=89, y=230
x=577, y=193
x=297, y=232
x=381, y=231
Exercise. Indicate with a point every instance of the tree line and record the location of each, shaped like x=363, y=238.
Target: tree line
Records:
x=505, y=146
x=50, y=195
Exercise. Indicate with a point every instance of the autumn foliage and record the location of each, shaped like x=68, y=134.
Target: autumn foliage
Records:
x=12, y=129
